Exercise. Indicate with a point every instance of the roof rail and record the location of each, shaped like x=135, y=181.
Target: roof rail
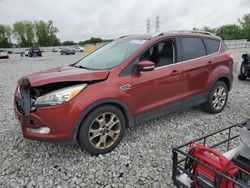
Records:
x=184, y=31
x=202, y=32
x=123, y=36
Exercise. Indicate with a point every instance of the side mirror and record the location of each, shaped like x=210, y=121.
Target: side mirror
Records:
x=144, y=66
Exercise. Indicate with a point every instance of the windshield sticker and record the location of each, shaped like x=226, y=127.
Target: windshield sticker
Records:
x=135, y=41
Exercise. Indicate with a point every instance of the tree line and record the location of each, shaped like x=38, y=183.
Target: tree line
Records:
x=27, y=34
x=92, y=40
x=36, y=33
x=232, y=31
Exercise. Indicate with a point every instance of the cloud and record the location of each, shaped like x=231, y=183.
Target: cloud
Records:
x=79, y=20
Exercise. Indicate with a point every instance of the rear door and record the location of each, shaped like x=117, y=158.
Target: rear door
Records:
x=196, y=68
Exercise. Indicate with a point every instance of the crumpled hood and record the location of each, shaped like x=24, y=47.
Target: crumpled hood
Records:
x=62, y=74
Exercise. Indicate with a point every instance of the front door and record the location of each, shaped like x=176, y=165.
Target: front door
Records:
x=158, y=91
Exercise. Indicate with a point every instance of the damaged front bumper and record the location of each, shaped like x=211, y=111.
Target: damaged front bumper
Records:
x=53, y=123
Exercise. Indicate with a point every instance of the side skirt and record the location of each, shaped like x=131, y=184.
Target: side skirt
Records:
x=186, y=103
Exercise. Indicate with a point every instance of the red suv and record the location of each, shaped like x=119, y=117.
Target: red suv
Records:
x=130, y=80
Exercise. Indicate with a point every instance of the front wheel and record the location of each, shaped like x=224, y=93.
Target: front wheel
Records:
x=102, y=130
x=217, y=98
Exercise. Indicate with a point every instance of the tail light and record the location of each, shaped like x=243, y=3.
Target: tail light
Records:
x=229, y=56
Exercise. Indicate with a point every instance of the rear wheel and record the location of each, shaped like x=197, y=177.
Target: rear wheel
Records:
x=217, y=98
x=102, y=130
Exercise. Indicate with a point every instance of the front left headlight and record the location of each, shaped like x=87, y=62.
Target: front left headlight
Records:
x=59, y=96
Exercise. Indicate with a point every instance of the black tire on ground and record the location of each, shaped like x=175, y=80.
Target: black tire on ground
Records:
x=84, y=135
x=211, y=107
x=242, y=77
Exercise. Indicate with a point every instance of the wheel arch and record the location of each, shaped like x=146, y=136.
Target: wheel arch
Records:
x=226, y=81
x=129, y=118
x=224, y=78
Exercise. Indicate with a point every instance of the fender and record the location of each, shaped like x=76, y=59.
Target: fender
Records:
x=218, y=73
x=220, y=77
x=129, y=116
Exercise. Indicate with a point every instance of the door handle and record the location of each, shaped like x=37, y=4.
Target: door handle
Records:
x=209, y=63
x=174, y=72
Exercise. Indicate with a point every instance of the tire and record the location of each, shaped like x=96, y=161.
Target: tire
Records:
x=217, y=98
x=103, y=128
x=242, y=77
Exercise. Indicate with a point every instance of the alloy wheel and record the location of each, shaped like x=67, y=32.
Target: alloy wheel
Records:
x=104, y=130
x=219, y=97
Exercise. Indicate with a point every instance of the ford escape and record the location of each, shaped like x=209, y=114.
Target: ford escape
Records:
x=130, y=80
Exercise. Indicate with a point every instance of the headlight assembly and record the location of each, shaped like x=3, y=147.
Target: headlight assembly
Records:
x=59, y=96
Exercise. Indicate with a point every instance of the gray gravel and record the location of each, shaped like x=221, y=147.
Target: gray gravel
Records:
x=143, y=159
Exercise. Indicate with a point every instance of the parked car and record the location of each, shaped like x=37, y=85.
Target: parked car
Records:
x=67, y=51
x=4, y=54
x=34, y=51
x=128, y=81
x=78, y=49
x=26, y=52
x=57, y=50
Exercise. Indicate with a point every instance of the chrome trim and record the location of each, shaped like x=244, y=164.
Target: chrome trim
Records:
x=18, y=89
x=125, y=87
x=149, y=67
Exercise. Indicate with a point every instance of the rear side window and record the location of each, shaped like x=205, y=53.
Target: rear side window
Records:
x=192, y=48
x=212, y=45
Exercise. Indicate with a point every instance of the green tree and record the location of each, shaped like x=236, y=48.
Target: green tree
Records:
x=245, y=24
x=24, y=33
x=209, y=29
x=46, y=33
x=69, y=42
x=229, y=32
x=94, y=40
x=5, y=35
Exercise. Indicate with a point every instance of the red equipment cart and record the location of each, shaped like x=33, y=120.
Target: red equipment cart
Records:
x=201, y=164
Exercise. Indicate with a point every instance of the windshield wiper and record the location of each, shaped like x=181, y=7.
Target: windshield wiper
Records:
x=82, y=67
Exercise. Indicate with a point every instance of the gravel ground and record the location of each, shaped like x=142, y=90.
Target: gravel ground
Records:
x=142, y=159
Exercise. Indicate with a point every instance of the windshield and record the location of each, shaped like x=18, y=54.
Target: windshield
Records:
x=111, y=55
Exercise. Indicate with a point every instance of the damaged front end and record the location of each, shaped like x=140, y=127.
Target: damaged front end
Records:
x=46, y=123
x=23, y=105
x=45, y=103
x=46, y=95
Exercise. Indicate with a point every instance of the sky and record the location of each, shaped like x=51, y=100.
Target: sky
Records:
x=81, y=19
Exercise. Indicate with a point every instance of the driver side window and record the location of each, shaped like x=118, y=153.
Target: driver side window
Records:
x=162, y=53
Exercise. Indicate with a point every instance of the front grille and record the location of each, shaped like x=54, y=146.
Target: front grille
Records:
x=24, y=104
x=19, y=108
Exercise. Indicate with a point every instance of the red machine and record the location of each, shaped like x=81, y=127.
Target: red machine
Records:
x=197, y=165
x=207, y=178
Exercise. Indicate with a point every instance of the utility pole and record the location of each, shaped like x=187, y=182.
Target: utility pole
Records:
x=148, y=26
x=157, y=24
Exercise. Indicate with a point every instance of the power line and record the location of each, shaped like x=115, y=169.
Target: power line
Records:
x=148, y=26
x=157, y=24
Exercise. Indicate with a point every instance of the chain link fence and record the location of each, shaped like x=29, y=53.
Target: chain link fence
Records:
x=242, y=43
